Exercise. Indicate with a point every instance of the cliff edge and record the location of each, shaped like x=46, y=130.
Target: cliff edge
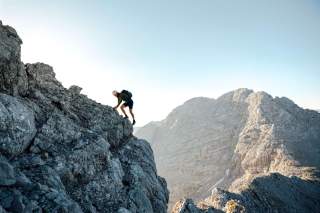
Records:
x=62, y=152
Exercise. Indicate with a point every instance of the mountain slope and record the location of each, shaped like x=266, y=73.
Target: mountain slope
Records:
x=267, y=193
x=62, y=152
x=230, y=141
x=194, y=145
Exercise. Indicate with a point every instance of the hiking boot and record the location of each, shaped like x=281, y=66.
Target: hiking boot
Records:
x=133, y=122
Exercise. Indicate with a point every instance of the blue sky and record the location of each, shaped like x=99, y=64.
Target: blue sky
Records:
x=166, y=52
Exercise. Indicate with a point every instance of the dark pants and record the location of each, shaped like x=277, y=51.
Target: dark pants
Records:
x=129, y=104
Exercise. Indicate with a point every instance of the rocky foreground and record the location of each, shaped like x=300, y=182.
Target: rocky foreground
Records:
x=62, y=152
x=243, y=152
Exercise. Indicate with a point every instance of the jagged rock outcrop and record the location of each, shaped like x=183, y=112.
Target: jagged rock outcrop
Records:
x=266, y=193
x=13, y=79
x=244, y=141
x=62, y=152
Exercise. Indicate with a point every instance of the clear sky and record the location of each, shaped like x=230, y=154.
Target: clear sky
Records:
x=167, y=51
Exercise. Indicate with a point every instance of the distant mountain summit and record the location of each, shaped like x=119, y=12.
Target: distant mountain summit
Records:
x=241, y=141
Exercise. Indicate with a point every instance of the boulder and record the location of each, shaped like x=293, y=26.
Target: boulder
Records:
x=17, y=125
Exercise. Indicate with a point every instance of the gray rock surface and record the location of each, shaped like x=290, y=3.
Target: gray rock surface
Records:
x=62, y=152
x=13, y=78
x=194, y=145
x=7, y=176
x=267, y=193
x=232, y=141
x=17, y=125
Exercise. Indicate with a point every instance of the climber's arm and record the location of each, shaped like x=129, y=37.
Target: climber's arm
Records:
x=119, y=102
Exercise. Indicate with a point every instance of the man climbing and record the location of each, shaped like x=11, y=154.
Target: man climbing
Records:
x=125, y=96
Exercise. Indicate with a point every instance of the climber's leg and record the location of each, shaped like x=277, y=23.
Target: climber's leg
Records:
x=122, y=109
x=132, y=115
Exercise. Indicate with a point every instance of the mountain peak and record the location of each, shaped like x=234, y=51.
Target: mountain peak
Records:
x=238, y=95
x=198, y=100
x=231, y=141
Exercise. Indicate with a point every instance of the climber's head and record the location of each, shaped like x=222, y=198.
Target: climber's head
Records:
x=115, y=93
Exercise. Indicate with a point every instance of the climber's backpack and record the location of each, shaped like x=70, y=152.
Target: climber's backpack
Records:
x=127, y=93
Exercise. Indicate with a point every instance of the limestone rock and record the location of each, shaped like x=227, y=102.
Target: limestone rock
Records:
x=268, y=193
x=62, y=152
x=231, y=141
x=17, y=125
x=13, y=78
x=7, y=177
x=75, y=89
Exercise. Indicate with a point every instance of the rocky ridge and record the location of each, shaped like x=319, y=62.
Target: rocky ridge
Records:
x=62, y=152
x=243, y=152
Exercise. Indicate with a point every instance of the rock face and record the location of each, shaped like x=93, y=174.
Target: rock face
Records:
x=194, y=145
x=267, y=193
x=62, y=152
x=264, y=150
x=13, y=79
